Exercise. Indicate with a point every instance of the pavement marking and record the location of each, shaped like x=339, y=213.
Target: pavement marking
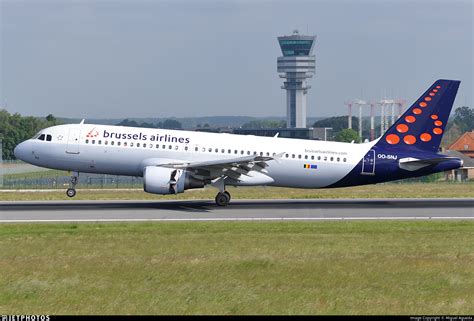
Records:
x=245, y=219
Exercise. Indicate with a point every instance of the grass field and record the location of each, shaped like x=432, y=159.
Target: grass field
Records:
x=391, y=190
x=377, y=267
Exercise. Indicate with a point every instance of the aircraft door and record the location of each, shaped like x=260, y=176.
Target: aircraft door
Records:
x=73, y=141
x=368, y=163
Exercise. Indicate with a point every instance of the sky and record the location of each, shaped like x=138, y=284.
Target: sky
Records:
x=119, y=59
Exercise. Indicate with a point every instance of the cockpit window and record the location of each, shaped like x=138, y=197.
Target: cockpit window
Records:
x=38, y=134
x=48, y=138
x=41, y=137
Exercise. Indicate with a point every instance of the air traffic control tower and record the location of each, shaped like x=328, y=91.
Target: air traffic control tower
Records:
x=295, y=66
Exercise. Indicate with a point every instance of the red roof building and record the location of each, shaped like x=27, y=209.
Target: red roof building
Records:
x=464, y=144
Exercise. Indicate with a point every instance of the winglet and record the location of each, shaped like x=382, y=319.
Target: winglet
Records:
x=82, y=122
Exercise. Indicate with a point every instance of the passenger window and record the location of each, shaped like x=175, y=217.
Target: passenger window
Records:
x=222, y=151
x=106, y=142
x=248, y=152
x=131, y=144
x=48, y=138
x=118, y=143
x=236, y=151
x=112, y=143
x=299, y=156
x=286, y=155
x=210, y=150
x=344, y=160
x=164, y=146
x=229, y=151
x=138, y=144
x=293, y=156
x=338, y=159
x=151, y=145
x=217, y=150
x=319, y=157
x=186, y=148
x=93, y=141
x=268, y=154
x=157, y=146
x=170, y=147
x=312, y=157
x=124, y=144
x=87, y=141
x=325, y=158
x=241, y=152
x=332, y=159
x=203, y=149
x=305, y=156
x=274, y=154
x=196, y=149
x=176, y=147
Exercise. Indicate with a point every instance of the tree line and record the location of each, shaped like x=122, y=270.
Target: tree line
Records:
x=166, y=124
x=16, y=128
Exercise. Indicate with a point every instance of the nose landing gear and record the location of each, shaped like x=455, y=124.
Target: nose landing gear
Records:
x=71, y=191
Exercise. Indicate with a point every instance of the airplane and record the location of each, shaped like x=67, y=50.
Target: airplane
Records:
x=172, y=161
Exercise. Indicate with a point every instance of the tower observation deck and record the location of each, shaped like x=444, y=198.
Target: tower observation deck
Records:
x=295, y=66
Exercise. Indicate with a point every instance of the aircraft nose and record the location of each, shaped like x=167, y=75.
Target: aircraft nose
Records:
x=21, y=150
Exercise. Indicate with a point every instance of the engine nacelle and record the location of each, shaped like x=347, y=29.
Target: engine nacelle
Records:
x=160, y=180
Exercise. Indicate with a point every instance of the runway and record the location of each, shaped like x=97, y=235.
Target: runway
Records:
x=238, y=210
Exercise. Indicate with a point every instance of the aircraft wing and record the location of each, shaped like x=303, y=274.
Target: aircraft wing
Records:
x=230, y=167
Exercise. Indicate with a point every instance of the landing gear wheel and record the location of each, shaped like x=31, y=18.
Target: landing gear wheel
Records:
x=71, y=192
x=222, y=199
x=228, y=195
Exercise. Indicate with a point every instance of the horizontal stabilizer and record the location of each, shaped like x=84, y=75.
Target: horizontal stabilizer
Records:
x=413, y=164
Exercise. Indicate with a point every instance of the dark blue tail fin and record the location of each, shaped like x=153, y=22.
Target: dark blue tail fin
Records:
x=423, y=124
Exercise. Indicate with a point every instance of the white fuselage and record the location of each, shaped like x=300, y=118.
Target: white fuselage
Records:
x=121, y=150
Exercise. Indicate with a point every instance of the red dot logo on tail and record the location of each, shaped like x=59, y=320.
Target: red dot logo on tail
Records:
x=392, y=139
x=409, y=139
x=425, y=137
x=402, y=128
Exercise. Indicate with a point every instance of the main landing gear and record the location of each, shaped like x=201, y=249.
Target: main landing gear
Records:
x=71, y=191
x=223, y=197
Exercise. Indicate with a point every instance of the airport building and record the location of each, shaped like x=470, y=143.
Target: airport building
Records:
x=295, y=66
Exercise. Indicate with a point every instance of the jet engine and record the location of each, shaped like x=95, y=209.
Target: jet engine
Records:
x=161, y=180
